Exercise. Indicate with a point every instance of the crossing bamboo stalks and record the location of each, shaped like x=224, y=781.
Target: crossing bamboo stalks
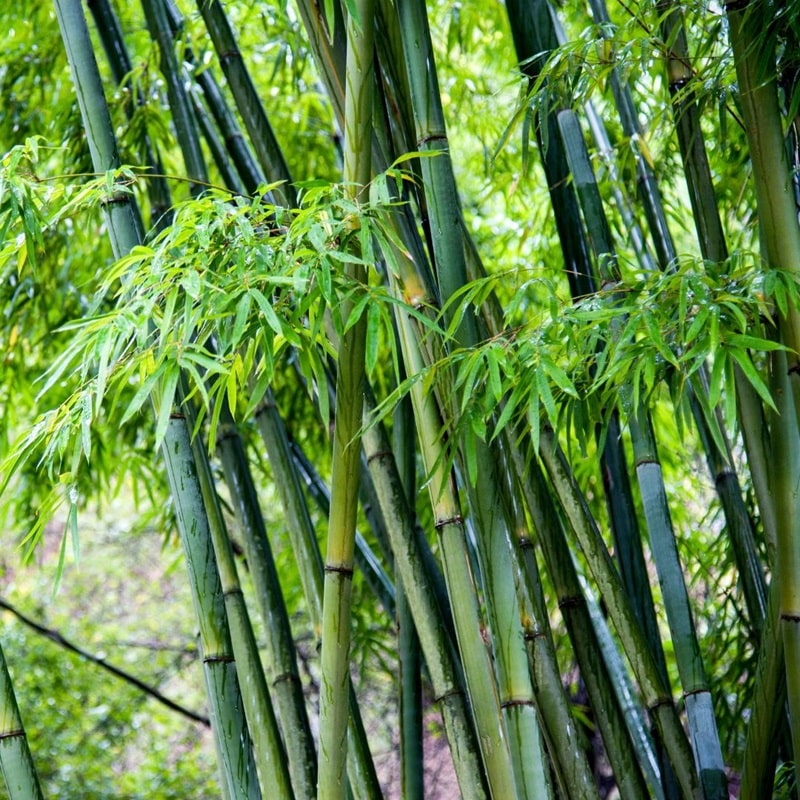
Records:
x=516, y=692
x=125, y=231
x=479, y=679
x=655, y=694
x=719, y=457
x=705, y=739
x=440, y=656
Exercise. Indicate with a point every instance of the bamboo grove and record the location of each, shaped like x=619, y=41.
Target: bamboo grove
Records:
x=515, y=464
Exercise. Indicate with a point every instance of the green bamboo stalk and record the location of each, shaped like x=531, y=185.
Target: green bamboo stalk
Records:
x=654, y=692
x=16, y=762
x=124, y=225
x=705, y=739
x=558, y=724
x=284, y=677
x=179, y=102
x=780, y=244
x=268, y=151
x=777, y=214
x=269, y=753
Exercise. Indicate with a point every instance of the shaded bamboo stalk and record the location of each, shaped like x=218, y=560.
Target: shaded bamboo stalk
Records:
x=412, y=750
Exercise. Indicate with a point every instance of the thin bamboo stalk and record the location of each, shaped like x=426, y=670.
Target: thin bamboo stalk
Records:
x=412, y=750
x=16, y=762
x=268, y=151
x=179, y=102
x=786, y=451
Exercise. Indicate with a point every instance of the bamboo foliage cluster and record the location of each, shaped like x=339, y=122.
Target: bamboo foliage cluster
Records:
x=493, y=448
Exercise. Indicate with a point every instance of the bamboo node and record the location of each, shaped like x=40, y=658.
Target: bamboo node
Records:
x=431, y=137
x=221, y=659
x=456, y=520
x=511, y=703
x=453, y=692
x=659, y=703
x=286, y=677
x=229, y=55
x=346, y=572
x=570, y=601
x=116, y=198
x=379, y=454
x=789, y=617
x=12, y=734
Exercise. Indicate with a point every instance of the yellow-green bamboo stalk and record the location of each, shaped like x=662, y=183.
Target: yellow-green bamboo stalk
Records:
x=335, y=655
x=769, y=702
